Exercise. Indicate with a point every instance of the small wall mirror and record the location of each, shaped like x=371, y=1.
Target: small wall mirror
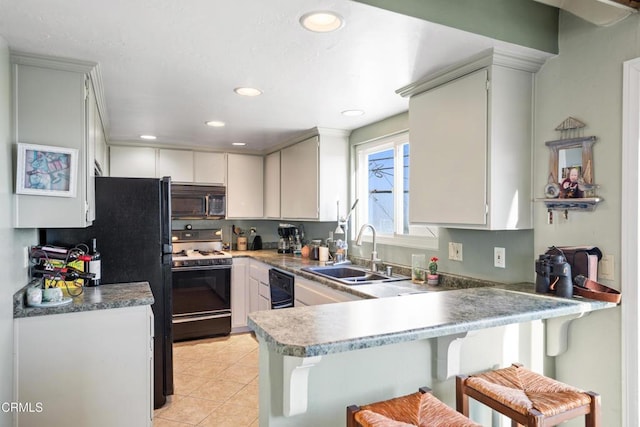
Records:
x=571, y=168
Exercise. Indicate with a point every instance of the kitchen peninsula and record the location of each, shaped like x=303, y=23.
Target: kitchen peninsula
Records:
x=315, y=361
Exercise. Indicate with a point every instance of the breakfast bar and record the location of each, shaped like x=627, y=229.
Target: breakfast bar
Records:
x=314, y=361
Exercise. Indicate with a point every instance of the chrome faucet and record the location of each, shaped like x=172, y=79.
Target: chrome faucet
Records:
x=374, y=253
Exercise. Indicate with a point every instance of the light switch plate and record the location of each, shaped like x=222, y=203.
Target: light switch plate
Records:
x=455, y=251
x=499, y=258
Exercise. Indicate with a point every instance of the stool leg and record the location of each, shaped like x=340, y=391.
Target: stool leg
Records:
x=462, y=400
x=592, y=419
x=351, y=413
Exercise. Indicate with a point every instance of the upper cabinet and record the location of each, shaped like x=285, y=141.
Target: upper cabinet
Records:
x=132, y=162
x=209, y=168
x=470, y=131
x=178, y=164
x=272, y=185
x=181, y=165
x=244, y=186
x=313, y=176
x=56, y=104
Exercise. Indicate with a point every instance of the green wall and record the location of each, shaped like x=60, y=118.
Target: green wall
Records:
x=585, y=82
x=13, y=240
x=522, y=22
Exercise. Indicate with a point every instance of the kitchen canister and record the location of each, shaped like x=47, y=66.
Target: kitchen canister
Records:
x=242, y=243
x=323, y=254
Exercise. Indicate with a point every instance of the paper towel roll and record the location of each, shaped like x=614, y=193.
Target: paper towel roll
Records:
x=323, y=254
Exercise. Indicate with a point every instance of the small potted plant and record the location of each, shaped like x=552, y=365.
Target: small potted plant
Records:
x=432, y=277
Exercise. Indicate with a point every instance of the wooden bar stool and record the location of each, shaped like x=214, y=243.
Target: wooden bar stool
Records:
x=527, y=398
x=420, y=408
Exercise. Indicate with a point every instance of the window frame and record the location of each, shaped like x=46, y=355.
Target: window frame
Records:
x=420, y=236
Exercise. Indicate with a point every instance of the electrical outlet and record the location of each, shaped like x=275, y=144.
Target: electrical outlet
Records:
x=499, y=258
x=455, y=251
x=606, y=268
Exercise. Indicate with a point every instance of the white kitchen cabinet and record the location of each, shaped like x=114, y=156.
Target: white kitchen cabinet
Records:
x=54, y=105
x=272, y=185
x=209, y=168
x=309, y=292
x=313, y=176
x=132, y=162
x=100, y=143
x=91, y=368
x=178, y=164
x=244, y=186
x=239, y=291
x=470, y=136
x=259, y=291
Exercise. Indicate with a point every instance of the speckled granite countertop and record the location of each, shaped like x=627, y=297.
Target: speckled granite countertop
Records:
x=335, y=328
x=295, y=264
x=92, y=298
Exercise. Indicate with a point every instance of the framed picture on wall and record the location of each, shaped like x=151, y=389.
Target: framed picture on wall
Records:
x=46, y=171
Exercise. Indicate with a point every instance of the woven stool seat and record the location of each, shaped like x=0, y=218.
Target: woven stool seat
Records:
x=526, y=397
x=417, y=409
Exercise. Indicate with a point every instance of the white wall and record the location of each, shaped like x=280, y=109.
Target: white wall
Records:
x=585, y=82
x=12, y=241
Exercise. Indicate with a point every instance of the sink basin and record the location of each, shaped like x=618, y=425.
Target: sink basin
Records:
x=349, y=275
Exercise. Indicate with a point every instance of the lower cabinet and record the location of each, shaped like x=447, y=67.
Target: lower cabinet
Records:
x=239, y=293
x=308, y=292
x=91, y=368
x=259, y=292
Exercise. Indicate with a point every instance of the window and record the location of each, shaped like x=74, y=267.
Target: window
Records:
x=382, y=187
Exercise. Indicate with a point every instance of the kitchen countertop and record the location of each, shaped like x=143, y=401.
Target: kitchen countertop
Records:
x=334, y=328
x=295, y=264
x=102, y=297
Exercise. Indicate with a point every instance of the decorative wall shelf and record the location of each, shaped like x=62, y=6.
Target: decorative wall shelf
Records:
x=584, y=204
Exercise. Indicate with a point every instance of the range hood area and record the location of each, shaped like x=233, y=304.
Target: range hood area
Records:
x=599, y=12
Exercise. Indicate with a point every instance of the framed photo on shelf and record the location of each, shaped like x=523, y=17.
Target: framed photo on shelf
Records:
x=44, y=170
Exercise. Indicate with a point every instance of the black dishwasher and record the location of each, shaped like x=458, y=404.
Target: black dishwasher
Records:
x=281, y=289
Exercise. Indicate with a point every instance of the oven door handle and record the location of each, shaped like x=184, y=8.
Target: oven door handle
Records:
x=194, y=318
x=201, y=267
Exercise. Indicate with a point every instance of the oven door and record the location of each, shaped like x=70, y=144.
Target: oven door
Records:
x=201, y=302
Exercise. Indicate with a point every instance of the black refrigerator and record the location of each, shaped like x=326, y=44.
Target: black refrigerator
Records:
x=133, y=232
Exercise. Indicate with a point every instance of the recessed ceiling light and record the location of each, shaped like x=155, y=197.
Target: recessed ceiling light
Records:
x=215, y=123
x=247, y=91
x=147, y=137
x=239, y=144
x=321, y=21
x=352, y=113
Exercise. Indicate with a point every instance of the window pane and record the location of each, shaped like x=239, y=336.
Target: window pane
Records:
x=380, y=167
x=405, y=189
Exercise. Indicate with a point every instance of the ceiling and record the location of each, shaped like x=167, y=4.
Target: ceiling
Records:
x=168, y=66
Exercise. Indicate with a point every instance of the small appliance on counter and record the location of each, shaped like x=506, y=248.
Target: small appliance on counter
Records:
x=289, y=238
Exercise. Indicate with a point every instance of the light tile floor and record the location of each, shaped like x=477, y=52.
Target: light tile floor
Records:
x=215, y=384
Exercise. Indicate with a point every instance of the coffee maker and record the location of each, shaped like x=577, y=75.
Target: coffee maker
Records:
x=288, y=234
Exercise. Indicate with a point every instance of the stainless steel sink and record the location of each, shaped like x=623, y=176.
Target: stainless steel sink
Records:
x=349, y=275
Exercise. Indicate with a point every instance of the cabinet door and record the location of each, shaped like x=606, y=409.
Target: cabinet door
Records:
x=239, y=293
x=178, y=164
x=244, y=186
x=299, y=180
x=50, y=108
x=272, y=185
x=254, y=294
x=209, y=168
x=132, y=162
x=448, y=134
x=111, y=359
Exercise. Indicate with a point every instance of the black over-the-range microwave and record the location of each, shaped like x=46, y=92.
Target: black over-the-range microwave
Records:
x=198, y=201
